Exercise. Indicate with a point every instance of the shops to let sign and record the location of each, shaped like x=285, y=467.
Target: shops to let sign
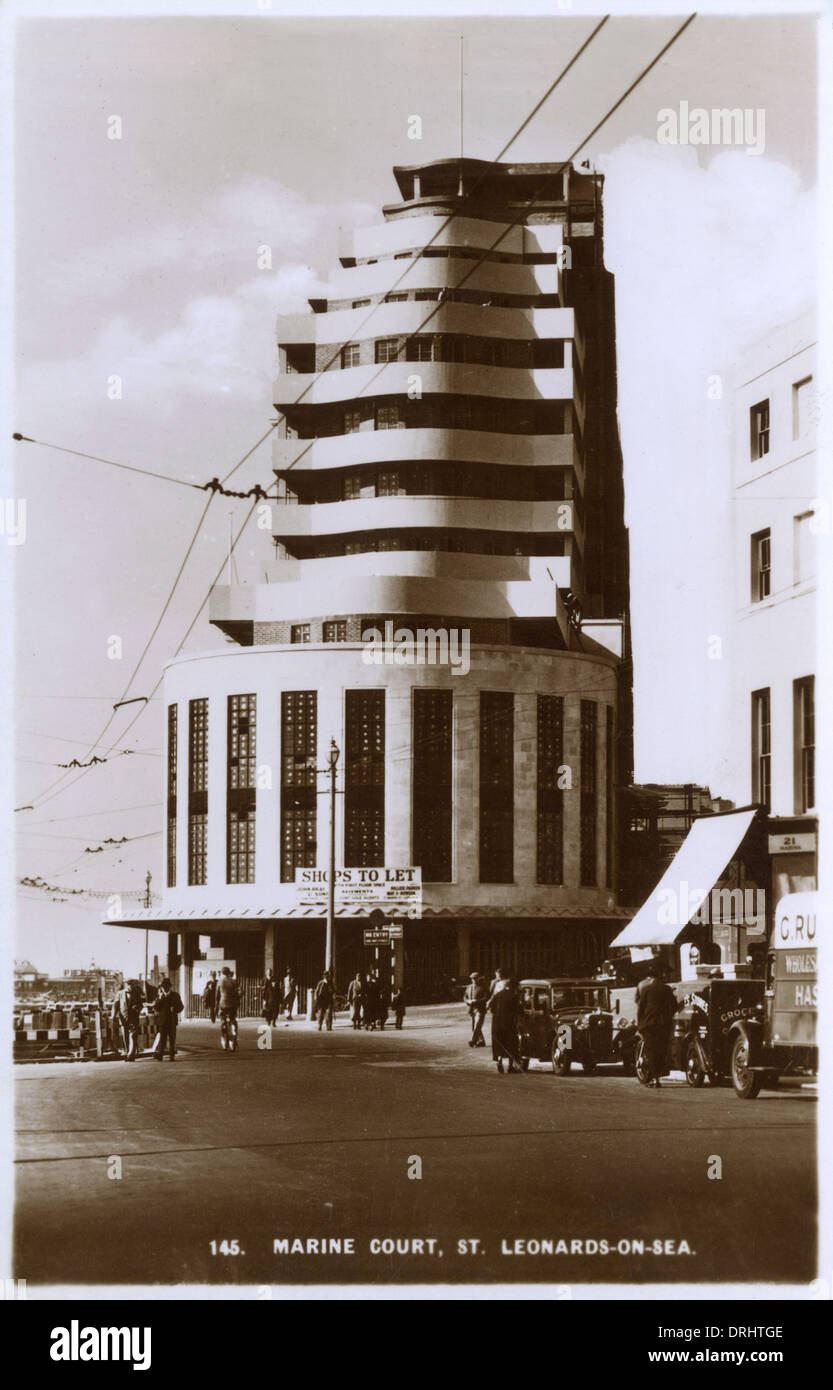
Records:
x=392, y=888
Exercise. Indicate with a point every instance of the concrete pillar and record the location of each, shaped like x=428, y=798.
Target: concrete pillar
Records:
x=398, y=776
x=572, y=798
x=526, y=788
x=267, y=842
x=269, y=948
x=466, y=752
x=464, y=949
x=216, y=836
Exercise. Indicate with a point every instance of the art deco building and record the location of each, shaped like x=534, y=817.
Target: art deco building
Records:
x=447, y=459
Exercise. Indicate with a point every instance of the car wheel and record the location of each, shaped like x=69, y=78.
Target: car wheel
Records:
x=524, y=1064
x=562, y=1060
x=694, y=1073
x=747, y=1083
x=640, y=1066
x=628, y=1066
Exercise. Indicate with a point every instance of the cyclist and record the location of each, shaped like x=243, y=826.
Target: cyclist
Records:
x=228, y=1000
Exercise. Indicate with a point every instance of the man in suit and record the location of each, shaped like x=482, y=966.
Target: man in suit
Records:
x=477, y=997
x=656, y=1005
x=209, y=996
x=168, y=1008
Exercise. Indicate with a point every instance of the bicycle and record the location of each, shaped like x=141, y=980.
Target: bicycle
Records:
x=228, y=1031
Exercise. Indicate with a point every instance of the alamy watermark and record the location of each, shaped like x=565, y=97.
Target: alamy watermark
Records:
x=425, y=646
x=695, y=125
x=737, y=906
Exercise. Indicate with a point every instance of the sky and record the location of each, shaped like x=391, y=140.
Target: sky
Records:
x=137, y=258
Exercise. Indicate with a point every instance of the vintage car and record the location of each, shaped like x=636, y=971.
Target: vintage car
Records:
x=572, y=1020
x=706, y=1025
x=780, y=1040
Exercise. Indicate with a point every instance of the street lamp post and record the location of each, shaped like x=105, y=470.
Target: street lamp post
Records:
x=329, y=950
x=148, y=900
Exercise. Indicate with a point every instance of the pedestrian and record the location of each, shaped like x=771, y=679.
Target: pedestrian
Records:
x=323, y=999
x=270, y=998
x=290, y=992
x=209, y=996
x=397, y=1003
x=371, y=1003
x=656, y=1004
x=504, y=1006
x=499, y=981
x=168, y=1008
x=355, y=996
x=477, y=997
x=126, y=1008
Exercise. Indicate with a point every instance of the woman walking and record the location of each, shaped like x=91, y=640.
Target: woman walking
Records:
x=504, y=1006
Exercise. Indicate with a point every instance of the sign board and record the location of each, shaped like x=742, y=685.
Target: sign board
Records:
x=215, y=953
x=381, y=936
x=792, y=844
x=795, y=921
x=394, y=888
x=201, y=970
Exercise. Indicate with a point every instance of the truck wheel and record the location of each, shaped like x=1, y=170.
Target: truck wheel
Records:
x=694, y=1073
x=562, y=1060
x=747, y=1083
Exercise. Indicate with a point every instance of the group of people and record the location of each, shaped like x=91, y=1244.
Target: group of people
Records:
x=127, y=1011
x=502, y=1001
x=368, y=1002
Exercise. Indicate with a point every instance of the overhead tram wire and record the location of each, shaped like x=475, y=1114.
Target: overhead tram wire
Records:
x=45, y=796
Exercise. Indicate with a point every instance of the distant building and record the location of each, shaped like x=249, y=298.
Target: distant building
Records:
x=657, y=819
x=84, y=984
x=28, y=980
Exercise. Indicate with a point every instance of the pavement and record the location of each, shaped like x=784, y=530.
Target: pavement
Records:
x=409, y=1160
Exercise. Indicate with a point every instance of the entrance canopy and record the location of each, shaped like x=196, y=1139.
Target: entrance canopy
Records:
x=711, y=843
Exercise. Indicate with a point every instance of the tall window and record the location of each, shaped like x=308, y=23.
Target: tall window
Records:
x=761, y=748
x=335, y=630
x=364, y=779
x=432, y=787
x=550, y=795
x=761, y=565
x=171, y=796
x=387, y=349
x=759, y=430
x=805, y=739
x=299, y=632
x=420, y=349
x=299, y=718
x=497, y=786
x=802, y=407
x=197, y=791
x=240, y=789
x=589, y=795
x=350, y=355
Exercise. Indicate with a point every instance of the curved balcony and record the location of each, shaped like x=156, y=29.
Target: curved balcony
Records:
x=407, y=317
x=435, y=378
x=390, y=593
x=404, y=234
x=362, y=515
x=349, y=451
x=492, y=277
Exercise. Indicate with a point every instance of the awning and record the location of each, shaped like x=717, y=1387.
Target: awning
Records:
x=711, y=843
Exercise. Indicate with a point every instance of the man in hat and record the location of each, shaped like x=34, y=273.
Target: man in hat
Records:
x=477, y=997
x=656, y=1004
x=168, y=1008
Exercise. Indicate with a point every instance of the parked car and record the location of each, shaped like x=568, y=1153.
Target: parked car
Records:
x=572, y=1020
